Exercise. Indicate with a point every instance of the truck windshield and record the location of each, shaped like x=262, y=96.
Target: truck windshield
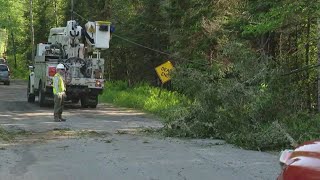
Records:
x=3, y=68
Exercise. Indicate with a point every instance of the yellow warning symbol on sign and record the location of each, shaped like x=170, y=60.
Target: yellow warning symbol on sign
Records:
x=91, y=29
x=163, y=71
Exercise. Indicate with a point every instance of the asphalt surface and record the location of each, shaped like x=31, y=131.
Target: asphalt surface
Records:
x=119, y=153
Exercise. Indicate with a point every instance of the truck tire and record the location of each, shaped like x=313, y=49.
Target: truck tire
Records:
x=93, y=106
x=89, y=101
x=93, y=102
x=84, y=102
x=7, y=83
x=42, y=96
x=31, y=97
x=75, y=101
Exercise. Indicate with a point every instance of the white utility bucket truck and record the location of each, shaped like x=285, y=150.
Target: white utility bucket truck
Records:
x=79, y=50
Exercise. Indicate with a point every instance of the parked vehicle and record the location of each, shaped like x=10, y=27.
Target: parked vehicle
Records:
x=302, y=163
x=5, y=74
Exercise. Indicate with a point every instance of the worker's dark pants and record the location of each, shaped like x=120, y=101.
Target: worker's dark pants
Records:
x=58, y=106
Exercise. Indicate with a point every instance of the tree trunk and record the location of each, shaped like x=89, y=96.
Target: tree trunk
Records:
x=107, y=9
x=128, y=74
x=14, y=50
x=280, y=45
x=32, y=32
x=14, y=46
x=110, y=68
x=307, y=64
x=318, y=67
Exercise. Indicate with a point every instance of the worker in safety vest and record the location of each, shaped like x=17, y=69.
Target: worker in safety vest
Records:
x=59, y=90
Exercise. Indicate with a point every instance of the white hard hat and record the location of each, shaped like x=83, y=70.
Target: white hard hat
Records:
x=60, y=66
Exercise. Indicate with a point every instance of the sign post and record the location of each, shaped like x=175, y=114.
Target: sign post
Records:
x=163, y=73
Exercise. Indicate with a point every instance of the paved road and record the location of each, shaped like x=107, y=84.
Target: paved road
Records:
x=115, y=155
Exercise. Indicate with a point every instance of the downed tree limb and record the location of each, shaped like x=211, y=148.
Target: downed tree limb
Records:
x=293, y=142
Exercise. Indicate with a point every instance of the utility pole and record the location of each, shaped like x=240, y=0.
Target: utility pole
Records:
x=55, y=12
x=72, y=4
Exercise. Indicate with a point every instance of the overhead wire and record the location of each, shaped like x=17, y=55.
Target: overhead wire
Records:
x=146, y=47
x=79, y=15
x=188, y=60
x=158, y=51
x=140, y=45
x=305, y=68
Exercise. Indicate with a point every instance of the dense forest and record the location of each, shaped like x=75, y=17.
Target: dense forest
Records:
x=249, y=66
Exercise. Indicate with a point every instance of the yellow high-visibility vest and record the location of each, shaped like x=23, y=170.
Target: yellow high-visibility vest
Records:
x=58, y=84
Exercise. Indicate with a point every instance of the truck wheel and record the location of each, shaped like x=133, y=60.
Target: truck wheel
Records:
x=75, y=101
x=93, y=106
x=7, y=83
x=84, y=102
x=42, y=97
x=93, y=102
x=31, y=97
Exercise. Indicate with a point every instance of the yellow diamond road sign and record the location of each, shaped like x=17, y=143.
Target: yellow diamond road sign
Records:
x=163, y=71
x=91, y=29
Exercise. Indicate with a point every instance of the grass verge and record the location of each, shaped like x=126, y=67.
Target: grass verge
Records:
x=144, y=97
x=179, y=114
x=6, y=135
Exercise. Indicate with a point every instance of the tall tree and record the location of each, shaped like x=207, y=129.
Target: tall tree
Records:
x=32, y=32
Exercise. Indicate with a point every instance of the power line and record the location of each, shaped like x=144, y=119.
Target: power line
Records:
x=146, y=47
x=158, y=51
x=79, y=16
x=305, y=68
x=132, y=42
x=178, y=57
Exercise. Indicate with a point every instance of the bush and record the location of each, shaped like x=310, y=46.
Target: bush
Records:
x=244, y=102
x=302, y=126
x=21, y=71
x=235, y=104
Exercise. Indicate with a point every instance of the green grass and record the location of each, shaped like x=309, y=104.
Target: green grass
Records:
x=5, y=135
x=173, y=108
x=144, y=97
